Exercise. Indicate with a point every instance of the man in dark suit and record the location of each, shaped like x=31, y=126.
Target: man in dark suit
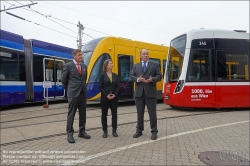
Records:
x=74, y=77
x=146, y=74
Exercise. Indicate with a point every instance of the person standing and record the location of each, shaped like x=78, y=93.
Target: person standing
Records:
x=74, y=77
x=109, y=86
x=146, y=74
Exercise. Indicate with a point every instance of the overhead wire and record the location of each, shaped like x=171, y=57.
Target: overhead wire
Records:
x=62, y=20
x=88, y=35
x=55, y=18
x=7, y=2
x=75, y=24
x=37, y=23
x=47, y=17
x=34, y=22
x=108, y=18
x=97, y=31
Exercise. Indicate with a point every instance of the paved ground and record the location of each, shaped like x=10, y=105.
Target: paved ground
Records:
x=39, y=137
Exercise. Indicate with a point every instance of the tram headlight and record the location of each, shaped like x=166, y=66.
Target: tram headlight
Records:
x=179, y=86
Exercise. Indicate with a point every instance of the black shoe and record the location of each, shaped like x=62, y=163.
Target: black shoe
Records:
x=154, y=136
x=105, y=134
x=71, y=138
x=84, y=135
x=136, y=135
x=115, y=133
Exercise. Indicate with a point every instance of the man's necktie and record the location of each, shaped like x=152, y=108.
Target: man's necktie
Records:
x=144, y=66
x=79, y=68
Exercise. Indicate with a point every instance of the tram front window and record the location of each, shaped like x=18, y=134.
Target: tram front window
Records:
x=88, y=49
x=198, y=66
x=97, y=68
x=86, y=57
x=175, y=59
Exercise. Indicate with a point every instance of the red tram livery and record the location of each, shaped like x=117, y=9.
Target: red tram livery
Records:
x=208, y=69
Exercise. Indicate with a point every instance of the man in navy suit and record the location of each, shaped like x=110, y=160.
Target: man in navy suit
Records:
x=146, y=74
x=74, y=77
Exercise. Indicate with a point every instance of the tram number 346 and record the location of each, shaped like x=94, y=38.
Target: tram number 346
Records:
x=197, y=91
x=202, y=43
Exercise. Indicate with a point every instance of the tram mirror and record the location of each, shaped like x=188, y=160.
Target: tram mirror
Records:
x=234, y=76
x=2, y=76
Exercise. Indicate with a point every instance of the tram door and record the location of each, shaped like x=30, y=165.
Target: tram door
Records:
x=125, y=64
x=52, y=71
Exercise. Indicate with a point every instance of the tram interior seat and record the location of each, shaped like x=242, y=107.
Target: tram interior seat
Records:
x=126, y=77
x=222, y=79
x=2, y=77
x=205, y=78
x=202, y=78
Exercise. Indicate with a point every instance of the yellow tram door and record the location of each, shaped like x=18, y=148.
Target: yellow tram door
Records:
x=124, y=58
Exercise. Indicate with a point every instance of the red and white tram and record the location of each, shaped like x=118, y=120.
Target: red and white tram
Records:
x=208, y=69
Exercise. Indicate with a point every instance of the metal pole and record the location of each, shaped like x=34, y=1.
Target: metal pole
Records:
x=47, y=96
x=80, y=28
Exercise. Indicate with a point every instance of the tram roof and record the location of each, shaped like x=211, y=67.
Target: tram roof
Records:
x=50, y=46
x=130, y=42
x=11, y=36
x=218, y=33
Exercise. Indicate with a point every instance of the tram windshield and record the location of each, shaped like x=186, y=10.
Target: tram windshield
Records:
x=175, y=58
x=88, y=50
x=86, y=57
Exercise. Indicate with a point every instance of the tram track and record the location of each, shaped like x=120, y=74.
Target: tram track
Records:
x=58, y=120
x=38, y=117
x=40, y=109
x=121, y=124
x=93, y=107
x=36, y=110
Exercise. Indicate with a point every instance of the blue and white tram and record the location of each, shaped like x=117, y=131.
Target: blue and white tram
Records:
x=25, y=64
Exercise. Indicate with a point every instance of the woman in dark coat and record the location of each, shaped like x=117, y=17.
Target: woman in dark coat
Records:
x=109, y=88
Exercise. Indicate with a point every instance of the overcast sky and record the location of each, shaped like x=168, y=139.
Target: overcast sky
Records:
x=149, y=21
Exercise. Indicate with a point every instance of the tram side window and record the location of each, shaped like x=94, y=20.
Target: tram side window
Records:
x=198, y=67
x=49, y=70
x=22, y=72
x=232, y=66
x=97, y=68
x=9, y=66
x=38, y=68
x=58, y=66
x=156, y=61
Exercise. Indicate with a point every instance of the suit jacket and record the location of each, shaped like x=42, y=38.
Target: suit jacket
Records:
x=106, y=87
x=72, y=81
x=152, y=70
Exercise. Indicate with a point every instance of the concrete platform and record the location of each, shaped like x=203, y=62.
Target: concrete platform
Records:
x=183, y=134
